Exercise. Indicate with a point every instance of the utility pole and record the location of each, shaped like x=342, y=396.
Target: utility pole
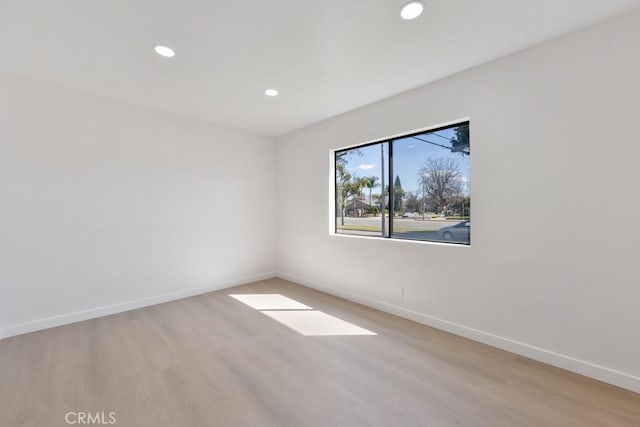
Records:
x=424, y=198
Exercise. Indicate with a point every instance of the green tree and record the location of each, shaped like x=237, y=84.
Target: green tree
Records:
x=343, y=180
x=412, y=202
x=398, y=194
x=460, y=141
x=344, y=185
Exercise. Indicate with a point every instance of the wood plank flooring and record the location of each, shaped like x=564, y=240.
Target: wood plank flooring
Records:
x=211, y=360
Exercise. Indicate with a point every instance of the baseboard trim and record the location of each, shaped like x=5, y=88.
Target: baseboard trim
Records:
x=588, y=369
x=65, y=319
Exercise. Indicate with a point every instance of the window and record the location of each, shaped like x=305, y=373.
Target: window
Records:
x=412, y=187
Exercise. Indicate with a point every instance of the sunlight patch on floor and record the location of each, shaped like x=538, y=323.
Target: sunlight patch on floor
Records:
x=316, y=323
x=270, y=302
x=299, y=317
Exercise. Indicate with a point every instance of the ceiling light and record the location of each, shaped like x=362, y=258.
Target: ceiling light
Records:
x=271, y=92
x=412, y=10
x=165, y=51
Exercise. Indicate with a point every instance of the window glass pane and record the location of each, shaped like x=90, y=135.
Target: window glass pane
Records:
x=431, y=186
x=417, y=186
x=361, y=174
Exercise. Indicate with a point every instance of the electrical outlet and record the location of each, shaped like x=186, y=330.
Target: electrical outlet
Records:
x=401, y=292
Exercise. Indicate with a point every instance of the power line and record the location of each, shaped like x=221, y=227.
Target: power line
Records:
x=431, y=142
x=437, y=134
x=440, y=145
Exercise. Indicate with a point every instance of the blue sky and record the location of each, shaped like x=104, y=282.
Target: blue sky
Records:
x=409, y=155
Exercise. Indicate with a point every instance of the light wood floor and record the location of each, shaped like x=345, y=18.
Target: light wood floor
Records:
x=213, y=361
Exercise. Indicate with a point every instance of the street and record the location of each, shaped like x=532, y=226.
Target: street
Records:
x=407, y=228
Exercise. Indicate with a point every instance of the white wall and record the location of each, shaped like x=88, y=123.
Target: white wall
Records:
x=552, y=272
x=106, y=204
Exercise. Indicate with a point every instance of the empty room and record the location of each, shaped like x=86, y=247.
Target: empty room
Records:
x=259, y=213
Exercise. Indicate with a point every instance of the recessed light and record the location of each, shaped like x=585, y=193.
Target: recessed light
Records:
x=165, y=51
x=412, y=10
x=271, y=92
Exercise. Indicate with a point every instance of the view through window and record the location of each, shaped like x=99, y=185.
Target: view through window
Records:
x=414, y=187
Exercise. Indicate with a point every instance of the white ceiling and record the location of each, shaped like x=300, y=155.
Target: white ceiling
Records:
x=324, y=56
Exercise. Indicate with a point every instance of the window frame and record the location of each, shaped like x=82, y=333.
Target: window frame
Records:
x=389, y=141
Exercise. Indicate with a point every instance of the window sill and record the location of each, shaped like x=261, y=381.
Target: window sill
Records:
x=395, y=239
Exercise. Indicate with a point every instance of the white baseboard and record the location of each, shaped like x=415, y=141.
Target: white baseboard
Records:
x=588, y=369
x=64, y=319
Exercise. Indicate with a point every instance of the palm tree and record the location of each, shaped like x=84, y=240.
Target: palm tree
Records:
x=356, y=186
x=370, y=182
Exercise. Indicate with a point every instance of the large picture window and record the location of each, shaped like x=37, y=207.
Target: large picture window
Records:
x=413, y=187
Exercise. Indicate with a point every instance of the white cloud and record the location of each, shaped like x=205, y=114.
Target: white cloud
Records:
x=365, y=166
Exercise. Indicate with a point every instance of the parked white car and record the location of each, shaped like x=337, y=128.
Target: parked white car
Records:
x=458, y=232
